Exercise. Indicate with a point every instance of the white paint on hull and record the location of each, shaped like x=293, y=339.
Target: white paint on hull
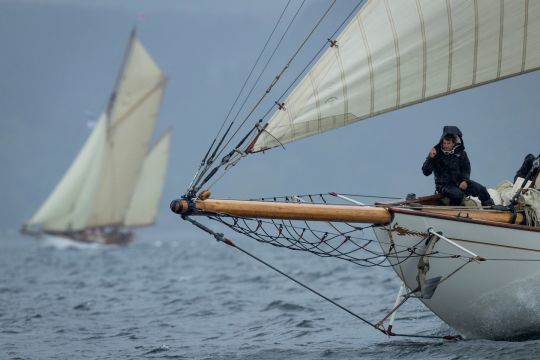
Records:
x=494, y=299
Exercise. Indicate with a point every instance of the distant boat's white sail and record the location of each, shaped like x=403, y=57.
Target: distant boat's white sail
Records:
x=145, y=202
x=133, y=113
x=396, y=53
x=67, y=207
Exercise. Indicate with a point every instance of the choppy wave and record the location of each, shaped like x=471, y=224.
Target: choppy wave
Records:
x=165, y=299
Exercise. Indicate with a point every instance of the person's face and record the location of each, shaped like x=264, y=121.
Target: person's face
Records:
x=447, y=145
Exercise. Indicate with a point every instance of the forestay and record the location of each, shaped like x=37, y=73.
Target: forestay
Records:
x=396, y=53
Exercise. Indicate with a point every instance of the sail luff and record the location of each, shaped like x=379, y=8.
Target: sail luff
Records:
x=144, y=204
x=395, y=54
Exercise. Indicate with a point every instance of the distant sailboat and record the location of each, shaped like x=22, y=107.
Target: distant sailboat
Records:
x=115, y=182
x=474, y=267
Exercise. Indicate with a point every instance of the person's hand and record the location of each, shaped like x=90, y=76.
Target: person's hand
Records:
x=463, y=185
x=432, y=153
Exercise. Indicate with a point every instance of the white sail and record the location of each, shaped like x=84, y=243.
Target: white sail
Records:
x=133, y=113
x=145, y=202
x=396, y=53
x=68, y=206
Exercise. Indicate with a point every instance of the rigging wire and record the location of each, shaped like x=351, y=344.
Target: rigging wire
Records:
x=353, y=11
x=276, y=79
x=243, y=86
x=255, y=65
x=266, y=65
x=195, y=184
x=221, y=238
x=275, y=198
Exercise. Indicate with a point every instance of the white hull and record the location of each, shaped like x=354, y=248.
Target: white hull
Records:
x=493, y=299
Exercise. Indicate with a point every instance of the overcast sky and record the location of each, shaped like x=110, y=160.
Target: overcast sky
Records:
x=59, y=62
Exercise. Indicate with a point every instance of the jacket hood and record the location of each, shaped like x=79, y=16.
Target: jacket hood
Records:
x=453, y=130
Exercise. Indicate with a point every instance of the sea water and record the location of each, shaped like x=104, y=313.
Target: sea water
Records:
x=174, y=295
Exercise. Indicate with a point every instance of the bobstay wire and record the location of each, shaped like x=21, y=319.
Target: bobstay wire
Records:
x=377, y=326
x=327, y=239
x=344, y=241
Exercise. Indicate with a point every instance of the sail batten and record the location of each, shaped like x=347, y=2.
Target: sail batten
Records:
x=395, y=53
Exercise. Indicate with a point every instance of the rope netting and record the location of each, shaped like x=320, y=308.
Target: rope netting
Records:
x=345, y=241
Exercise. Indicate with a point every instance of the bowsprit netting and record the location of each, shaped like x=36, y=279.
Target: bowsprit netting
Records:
x=345, y=241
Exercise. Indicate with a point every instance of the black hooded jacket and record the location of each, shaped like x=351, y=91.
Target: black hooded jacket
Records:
x=449, y=169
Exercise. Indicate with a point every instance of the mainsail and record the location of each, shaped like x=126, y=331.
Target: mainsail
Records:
x=395, y=53
x=114, y=180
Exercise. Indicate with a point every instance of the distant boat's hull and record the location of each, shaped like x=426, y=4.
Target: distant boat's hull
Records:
x=111, y=238
x=493, y=299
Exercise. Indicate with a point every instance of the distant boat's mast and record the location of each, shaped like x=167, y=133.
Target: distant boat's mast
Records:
x=125, y=59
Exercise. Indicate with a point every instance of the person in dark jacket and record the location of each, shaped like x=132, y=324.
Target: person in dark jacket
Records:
x=450, y=164
x=527, y=165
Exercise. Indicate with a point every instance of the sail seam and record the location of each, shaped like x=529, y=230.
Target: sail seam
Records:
x=501, y=29
x=343, y=86
x=525, y=24
x=396, y=49
x=424, y=48
x=476, y=26
x=385, y=110
x=450, y=44
x=291, y=121
x=317, y=102
x=370, y=64
x=359, y=118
